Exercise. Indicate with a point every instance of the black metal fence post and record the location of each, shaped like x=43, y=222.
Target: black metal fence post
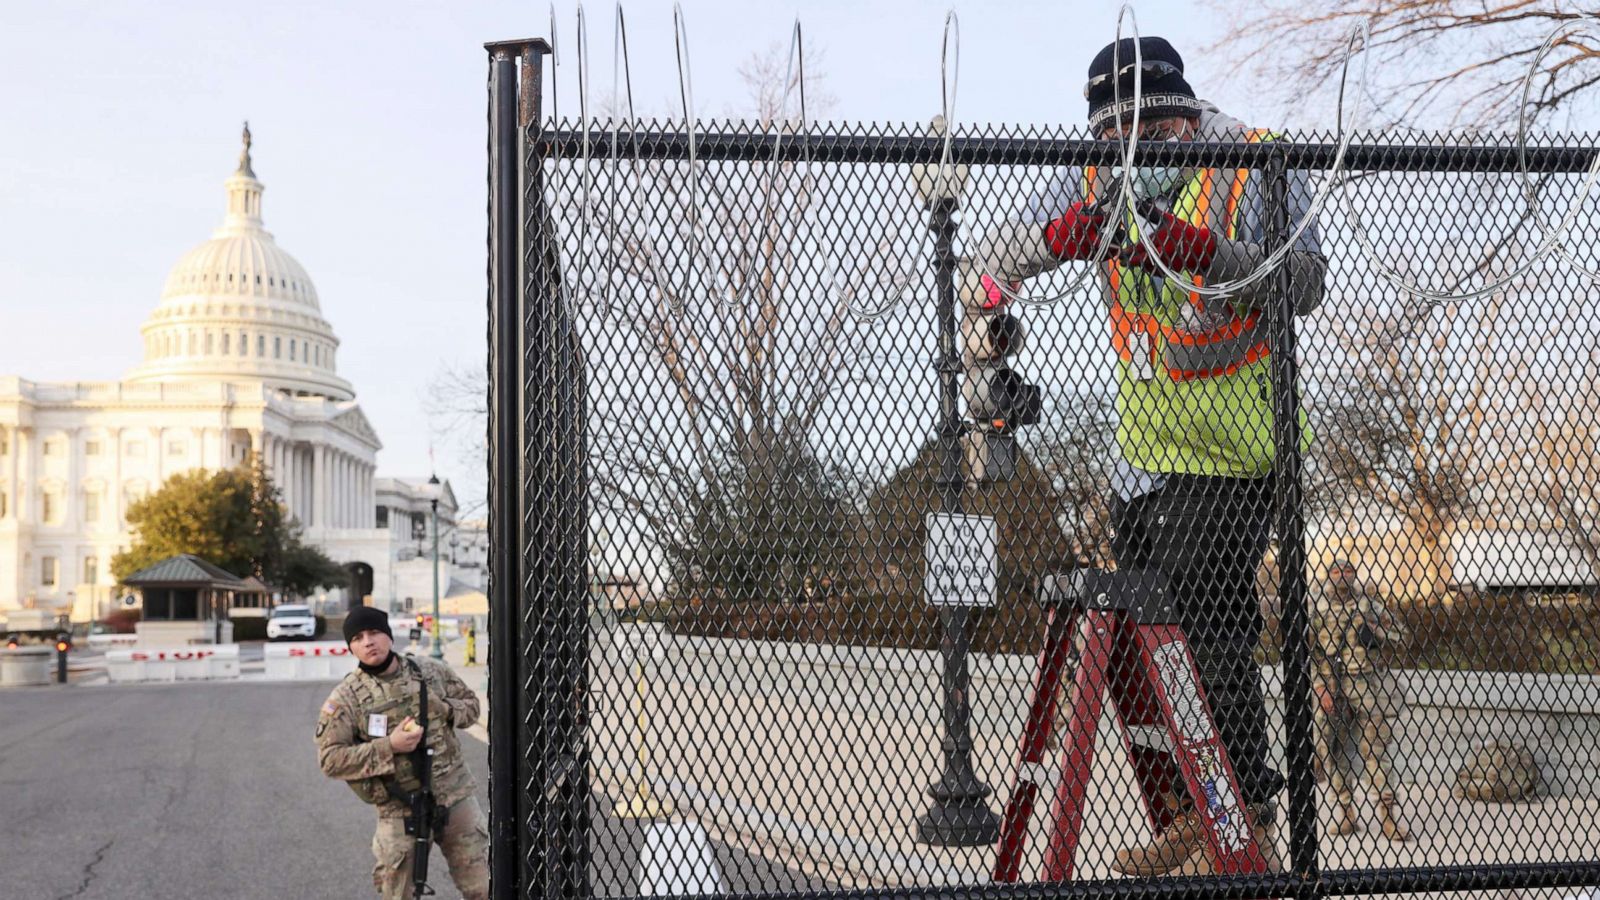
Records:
x=504, y=473
x=1291, y=547
x=556, y=529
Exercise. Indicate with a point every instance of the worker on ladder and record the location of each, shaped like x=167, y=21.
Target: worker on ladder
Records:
x=1194, y=482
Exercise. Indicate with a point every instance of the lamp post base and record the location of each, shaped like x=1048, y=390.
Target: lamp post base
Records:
x=958, y=820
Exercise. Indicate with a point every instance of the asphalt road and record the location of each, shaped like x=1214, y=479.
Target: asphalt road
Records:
x=209, y=790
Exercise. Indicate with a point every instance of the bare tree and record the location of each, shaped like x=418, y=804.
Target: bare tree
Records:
x=1076, y=453
x=725, y=340
x=1413, y=418
x=1462, y=60
x=456, y=402
x=1568, y=450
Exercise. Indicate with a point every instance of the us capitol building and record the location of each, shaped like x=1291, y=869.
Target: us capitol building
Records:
x=238, y=359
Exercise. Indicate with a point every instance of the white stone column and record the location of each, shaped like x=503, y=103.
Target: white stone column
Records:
x=336, y=486
x=344, y=492
x=319, y=487
x=115, y=440
x=73, y=495
x=22, y=476
x=14, y=490
x=289, y=475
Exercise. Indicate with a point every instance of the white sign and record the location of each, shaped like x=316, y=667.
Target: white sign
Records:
x=962, y=559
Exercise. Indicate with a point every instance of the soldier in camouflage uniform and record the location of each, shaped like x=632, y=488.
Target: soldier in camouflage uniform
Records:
x=365, y=735
x=1357, y=698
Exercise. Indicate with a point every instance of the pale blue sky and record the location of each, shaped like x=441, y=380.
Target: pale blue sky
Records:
x=123, y=120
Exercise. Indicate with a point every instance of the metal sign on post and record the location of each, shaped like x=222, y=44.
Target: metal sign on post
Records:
x=962, y=554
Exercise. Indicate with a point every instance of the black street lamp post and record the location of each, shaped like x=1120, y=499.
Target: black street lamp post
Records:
x=433, y=483
x=960, y=814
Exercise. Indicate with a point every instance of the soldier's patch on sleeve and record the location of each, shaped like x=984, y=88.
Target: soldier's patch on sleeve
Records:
x=330, y=708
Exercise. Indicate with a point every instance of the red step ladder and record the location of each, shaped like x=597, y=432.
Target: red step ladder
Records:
x=1122, y=628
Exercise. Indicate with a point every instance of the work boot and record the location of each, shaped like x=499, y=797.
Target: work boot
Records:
x=1170, y=849
x=1264, y=828
x=1264, y=818
x=1392, y=828
x=1349, y=822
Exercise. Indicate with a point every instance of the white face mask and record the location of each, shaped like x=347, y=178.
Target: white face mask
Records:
x=1150, y=182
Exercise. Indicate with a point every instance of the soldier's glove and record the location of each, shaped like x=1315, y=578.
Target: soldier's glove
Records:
x=1077, y=233
x=1181, y=246
x=1367, y=638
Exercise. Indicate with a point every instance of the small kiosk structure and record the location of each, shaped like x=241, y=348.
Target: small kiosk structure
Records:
x=186, y=601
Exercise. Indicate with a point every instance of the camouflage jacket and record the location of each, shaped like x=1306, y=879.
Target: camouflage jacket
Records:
x=348, y=749
x=1352, y=631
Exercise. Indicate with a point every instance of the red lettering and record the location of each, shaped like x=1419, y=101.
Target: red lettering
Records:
x=296, y=651
x=138, y=657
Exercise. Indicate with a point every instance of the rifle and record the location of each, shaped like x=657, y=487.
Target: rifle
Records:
x=427, y=817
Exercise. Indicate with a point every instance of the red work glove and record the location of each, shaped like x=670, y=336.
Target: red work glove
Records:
x=1181, y=246
x=1076, y=235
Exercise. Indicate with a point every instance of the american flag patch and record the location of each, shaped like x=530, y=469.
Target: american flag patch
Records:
x=330, y=709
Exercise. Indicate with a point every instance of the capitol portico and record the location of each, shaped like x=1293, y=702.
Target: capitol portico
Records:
x=238, y=359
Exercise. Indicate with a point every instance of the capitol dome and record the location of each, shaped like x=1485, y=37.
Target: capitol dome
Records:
x=238, y=307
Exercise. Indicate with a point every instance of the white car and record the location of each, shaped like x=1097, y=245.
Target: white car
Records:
x=289, y=621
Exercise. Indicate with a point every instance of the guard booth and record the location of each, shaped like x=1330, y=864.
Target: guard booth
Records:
x=186, y=601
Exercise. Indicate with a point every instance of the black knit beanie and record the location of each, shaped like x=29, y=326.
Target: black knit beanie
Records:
x=1163, y=93
x=363, y=618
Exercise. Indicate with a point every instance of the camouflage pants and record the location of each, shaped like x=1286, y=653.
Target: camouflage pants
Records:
x=464, y=843
x=1363, y=710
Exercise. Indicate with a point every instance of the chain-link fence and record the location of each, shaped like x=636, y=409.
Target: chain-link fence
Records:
x=909, y=516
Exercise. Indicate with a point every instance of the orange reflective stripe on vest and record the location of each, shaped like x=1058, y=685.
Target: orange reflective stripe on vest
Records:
x=1177, y=344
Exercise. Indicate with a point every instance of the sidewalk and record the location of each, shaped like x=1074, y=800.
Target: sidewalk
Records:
x=822, y=756
x=476, y=677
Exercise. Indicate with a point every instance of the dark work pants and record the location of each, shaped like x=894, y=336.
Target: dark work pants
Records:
x=1208, y=536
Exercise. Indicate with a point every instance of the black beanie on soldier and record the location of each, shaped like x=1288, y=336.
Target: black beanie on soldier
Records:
x=1161, y=93
x=364, y=618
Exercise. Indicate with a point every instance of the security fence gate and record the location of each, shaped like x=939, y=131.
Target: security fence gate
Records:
x=811, y=444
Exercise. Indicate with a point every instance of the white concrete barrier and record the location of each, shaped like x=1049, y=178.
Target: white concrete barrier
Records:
x=198, y=663
x=26, y=666
x=112, y=641
x=320, y=661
